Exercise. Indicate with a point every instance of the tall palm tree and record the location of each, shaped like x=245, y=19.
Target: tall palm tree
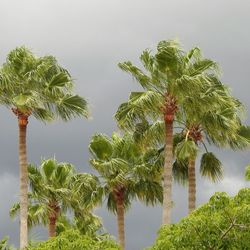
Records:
x=38, y=87
x=171, y=81
x=125, y=174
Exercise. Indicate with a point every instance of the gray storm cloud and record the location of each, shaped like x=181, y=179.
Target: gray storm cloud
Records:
x=89, y=37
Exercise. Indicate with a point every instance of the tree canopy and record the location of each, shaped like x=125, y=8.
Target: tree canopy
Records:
x=222, y=223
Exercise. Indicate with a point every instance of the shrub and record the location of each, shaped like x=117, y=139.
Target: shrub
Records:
x=72, y=239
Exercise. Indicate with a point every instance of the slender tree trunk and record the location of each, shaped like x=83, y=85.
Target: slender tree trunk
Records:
x=23, y=183
x=120, y=223
x=23, y=165
x=191, y=185
x=118, y=194
x=53, y=216
x=167, y=174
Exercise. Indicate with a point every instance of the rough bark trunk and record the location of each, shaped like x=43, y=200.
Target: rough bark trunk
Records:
x=167, y=174
x=23, y=185
x=53, y=216
x=120, y=223
x=118, y=194
x=52, y=227
x=191, y=185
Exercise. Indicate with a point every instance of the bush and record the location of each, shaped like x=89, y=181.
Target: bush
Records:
x=222, y=223
x=73, y=240
x=4, y=244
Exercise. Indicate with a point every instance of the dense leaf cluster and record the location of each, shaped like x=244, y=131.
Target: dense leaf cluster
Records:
x=73, y=240
x=222, y=223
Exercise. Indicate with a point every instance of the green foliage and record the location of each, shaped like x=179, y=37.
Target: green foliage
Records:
x=187, y=149
x=211, y=167
x=58, y=183
x=222, y=223
x=187, y=76
x=88, y=224
x=40, y=86
x=74, y=240
x=51, y=181
x=180, y=171
x=123, y=165
x=247, y=175
x=4, y=244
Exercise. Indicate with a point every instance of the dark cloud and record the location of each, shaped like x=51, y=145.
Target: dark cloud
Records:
x=89, y=38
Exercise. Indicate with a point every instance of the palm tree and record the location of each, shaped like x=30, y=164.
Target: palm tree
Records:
x=125, y=174
x=38, y=87
x=191, y=139
x=50, y=185
x=172, y=81
x=219, y=125
x=52, y=195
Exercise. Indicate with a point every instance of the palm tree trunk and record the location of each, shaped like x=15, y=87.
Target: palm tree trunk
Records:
x=191, y=185
x=23, y=121
x=120, y=223
x=118, y=194
x=52, y=227
x=53, y=216
x=167, y=174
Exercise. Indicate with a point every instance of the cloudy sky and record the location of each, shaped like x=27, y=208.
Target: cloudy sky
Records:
x=89, y=38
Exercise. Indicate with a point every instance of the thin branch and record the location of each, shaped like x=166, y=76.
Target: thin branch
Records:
x=228, y=230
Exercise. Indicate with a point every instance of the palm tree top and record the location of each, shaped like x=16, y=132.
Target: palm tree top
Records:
x=174, y=82
x=123, y=167
x=51, y=180
x=39, y=86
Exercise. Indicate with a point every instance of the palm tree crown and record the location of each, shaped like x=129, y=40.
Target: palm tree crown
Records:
x=39, y=86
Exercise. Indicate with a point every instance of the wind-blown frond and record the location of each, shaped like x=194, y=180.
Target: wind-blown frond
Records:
x=180, y=172
x=139, y=106
x=142, y=78
x=40, y=86
x=211, y=167
x=247, y=174
x=71, y=106
x=185, y=150
x=101, y=147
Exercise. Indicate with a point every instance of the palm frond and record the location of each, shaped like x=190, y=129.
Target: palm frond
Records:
x=101, y=146
x=141, y=77
x=247, y=174
x=71, y=106
x=185, y=150
x=180, y=172
x=211, y=167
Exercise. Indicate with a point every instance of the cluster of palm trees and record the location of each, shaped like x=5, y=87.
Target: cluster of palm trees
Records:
x=182, y=106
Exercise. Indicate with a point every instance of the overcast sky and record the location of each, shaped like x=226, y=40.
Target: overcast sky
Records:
x=89, y=38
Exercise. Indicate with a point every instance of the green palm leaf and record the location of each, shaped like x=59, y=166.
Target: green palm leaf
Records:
x=211, y=167
x=185, y=150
